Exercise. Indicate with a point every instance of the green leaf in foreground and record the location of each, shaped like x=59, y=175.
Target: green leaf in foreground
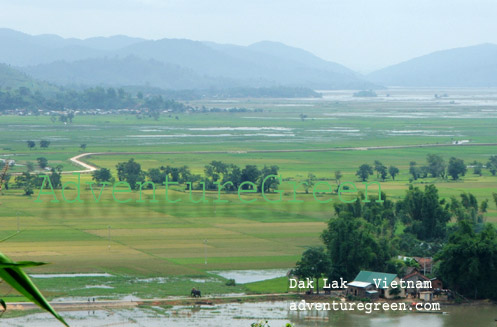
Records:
x=20, y=264
x=12, y=273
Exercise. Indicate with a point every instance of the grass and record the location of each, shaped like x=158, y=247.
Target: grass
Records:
x=275, y=285
x=141, y=240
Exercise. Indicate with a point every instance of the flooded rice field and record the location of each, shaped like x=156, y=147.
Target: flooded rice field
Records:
x=249, y=276
x=243, y=314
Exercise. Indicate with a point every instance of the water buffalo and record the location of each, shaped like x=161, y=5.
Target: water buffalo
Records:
x=195, y=293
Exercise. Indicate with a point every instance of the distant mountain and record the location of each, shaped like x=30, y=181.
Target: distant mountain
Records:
x=249, y=66
x=281, y=50
x=282, y=64
x=108, y=43
x=11, y=78
x=172, y=63
x=21, y=49
x=474, y=66
x=129, y=71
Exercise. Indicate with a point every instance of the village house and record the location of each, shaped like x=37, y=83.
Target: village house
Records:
x=425, y=264
x=387, y=285
x=417, y=282
x=362, y=290
x=436, y=284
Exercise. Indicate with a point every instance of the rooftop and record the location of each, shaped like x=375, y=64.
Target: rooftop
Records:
x=371, y=276
x=359, y=284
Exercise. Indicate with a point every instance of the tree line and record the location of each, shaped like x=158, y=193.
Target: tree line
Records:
x=229, y=175
x=435, y=167
x=371, y=235
x=43, y=144
x=91, y=98
x=118, y=98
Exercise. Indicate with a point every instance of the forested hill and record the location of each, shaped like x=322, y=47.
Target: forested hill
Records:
x=171, y=63
x=474, y=66
x=11, y=78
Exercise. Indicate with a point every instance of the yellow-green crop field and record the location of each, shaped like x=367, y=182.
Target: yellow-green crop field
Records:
x=191, y=239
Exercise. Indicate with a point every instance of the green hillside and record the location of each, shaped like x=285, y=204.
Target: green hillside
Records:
x=11, y=78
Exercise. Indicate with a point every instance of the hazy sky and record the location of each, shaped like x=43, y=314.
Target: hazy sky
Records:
x=361, y=34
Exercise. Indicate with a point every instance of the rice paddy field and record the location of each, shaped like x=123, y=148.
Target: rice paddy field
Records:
x=155, y=249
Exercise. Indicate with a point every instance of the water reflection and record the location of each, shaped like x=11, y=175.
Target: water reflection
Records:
x=243, y=314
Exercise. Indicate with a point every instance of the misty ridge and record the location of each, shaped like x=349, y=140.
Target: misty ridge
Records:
x=171, y=63
x=181, y=64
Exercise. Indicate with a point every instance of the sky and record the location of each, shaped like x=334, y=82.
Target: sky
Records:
x=361, y=34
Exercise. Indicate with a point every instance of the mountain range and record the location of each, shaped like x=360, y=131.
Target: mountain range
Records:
x=181, y=64
x=474, y=66
x=11, y=78
x=171, y=63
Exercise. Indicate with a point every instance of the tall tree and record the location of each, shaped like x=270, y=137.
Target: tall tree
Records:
x=378, y=167
x=427, y=216
x=271, y=182
x=216, y=170
x=130, y=172
x=42, y=162
x=102, y=175
x=185, y=175
x=313, y=264
x=44, y=144
x=413, y=170
x=456, y=168
x=468, y=262
x=484, y=206
x=364, y=172
x=469, y=201
x=338, y=176
x=234, y=175
x=477, y=168
x=352, y=246
x=309, y=182
x=492, y=165
x=56, y=176
x=436, y=165
x=393, y=171
x=383, y=172
x=250, y=174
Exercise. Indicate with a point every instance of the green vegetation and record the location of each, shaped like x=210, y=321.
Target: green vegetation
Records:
x=92, y=98
x=149, y=240
x=13, y=273
x=313, y=265
x=365, y=94
x=11, y=78
x=275, y=285
x=265, y=324
x=468, y=262
x=362, y=236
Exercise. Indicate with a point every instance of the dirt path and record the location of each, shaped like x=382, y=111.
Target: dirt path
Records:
x=78, y=160
x=171, y=300
x=88, y=168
